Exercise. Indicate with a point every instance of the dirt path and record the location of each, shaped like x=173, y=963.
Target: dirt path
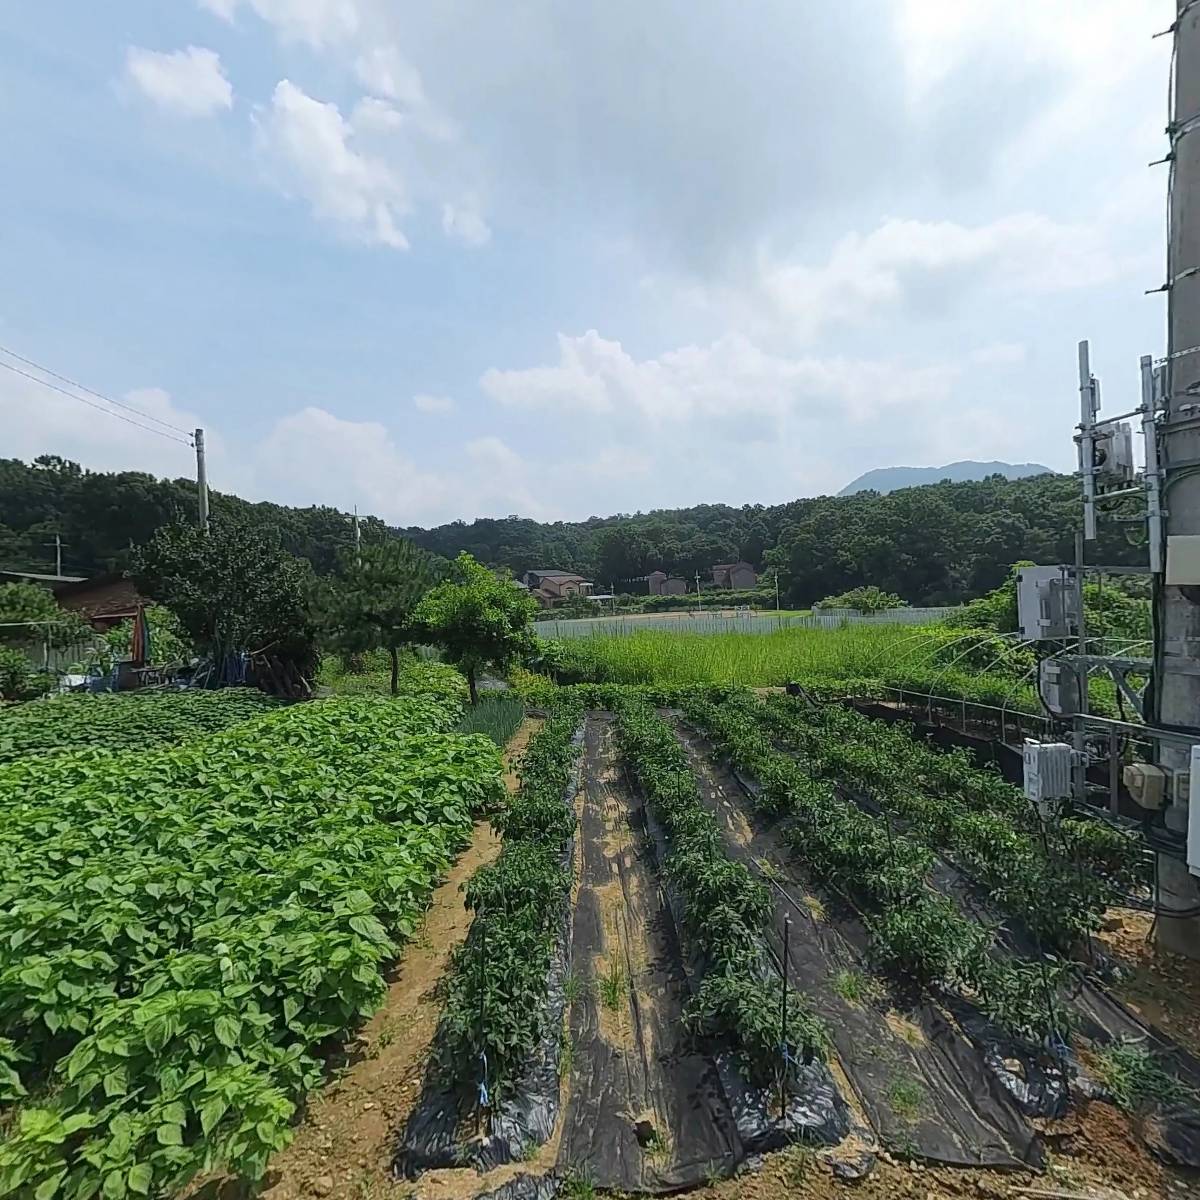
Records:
x=344, y=1147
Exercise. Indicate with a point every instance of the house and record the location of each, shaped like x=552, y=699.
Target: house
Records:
x=551, y=588
x=737, y=577
x=659, y=583
x=104, y=600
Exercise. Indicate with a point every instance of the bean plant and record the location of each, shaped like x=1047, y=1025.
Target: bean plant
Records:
x=183, y=931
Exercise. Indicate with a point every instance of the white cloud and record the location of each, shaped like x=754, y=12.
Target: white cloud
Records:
x=464, y=224
x=317, y=22
x=359, y=462
x=38, y=420
x=311, y=148
x=904, y=268
x=731, y=382
x=384, y=71
x=189, y=82
x=433, y=404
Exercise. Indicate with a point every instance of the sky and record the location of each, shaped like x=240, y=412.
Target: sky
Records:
x=467, y=259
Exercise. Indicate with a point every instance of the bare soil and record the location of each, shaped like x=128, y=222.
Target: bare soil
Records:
x=345, y=1144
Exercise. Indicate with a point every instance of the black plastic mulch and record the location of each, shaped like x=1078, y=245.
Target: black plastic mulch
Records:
x=921, y=1083
x=649, y=1111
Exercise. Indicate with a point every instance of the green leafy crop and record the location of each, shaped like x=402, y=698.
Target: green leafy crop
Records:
x=123, y=720
x=183, y=931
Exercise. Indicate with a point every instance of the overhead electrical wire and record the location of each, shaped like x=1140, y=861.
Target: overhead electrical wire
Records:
x=29, y=362
x=185, y=440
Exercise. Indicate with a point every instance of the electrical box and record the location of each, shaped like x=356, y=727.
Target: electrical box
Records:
x=1047, y=773
x=1060, y=684
x=1046, y=604
x=1147, y=784
x=1112, y=453
x=1183, y=559
x=1193, y=842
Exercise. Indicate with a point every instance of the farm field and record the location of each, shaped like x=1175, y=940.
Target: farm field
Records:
x=258, y=949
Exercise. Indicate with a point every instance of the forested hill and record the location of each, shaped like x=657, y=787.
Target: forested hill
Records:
x=935, y=544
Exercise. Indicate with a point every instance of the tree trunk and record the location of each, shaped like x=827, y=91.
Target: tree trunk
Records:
x=395, y=669
x=471, y=685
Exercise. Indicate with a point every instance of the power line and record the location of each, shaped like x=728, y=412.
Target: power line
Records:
x=91, y=391
x=99, y=407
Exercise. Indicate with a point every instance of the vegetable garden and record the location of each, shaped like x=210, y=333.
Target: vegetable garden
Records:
x=718, y=923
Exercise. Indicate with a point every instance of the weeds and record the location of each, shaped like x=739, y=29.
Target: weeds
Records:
x=578, y=1184
x=905, y=1096
x=855, y=987
x=1136, y=1080
x=573, y=987
x=612, y=986
x=797, y=1163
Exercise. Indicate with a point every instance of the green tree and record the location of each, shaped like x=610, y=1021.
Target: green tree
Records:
x=370, y=604
x=29, y=613
x=479, y=619
x=233, y=589
x=864, y=599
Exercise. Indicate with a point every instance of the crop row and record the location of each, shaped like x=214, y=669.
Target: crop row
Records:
x=726, y=910
x=914, y=931
x=183, y=931
x=497, y=1007
x=125, y=720
x=1056, y=881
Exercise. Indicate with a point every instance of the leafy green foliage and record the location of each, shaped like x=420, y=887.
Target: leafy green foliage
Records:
x=882, y=871
x=868, y=599
x=182, y=931
x=371, y=601
x=123, y=720
x=21, y=602
x=18, y=680
x=168, y=639
x=727, y=910
x=1136, y=1079
x=233, y=588
x=1057, y=884
x=478, y=619
x=518, y=902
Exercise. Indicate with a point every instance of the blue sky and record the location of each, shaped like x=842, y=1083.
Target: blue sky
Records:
x=468, y=259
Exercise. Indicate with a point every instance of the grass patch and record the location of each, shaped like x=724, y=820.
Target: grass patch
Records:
x=906, y=1097
x=612, y=986
x=497, y=715
x=1136, y=1080
x=856, y=987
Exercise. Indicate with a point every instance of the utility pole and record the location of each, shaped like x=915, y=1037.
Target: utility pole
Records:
x=357, y=539
x=58, y=545
x=201, y=478
x=699, y=602
x=1177, y=651
x=776, y=589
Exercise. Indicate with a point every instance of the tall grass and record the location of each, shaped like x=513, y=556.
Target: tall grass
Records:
x=925, y=659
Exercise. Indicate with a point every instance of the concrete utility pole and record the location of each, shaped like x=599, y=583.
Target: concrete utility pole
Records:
x=58, y=545
x=201, y=478
x=1178, y=645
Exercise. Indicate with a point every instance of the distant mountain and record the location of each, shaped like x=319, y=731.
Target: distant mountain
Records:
x=888, y=479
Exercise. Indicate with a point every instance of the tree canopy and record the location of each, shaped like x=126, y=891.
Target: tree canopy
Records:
x=936, y=544
x=478, y=619
x=232, y=589
x=370, y=603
